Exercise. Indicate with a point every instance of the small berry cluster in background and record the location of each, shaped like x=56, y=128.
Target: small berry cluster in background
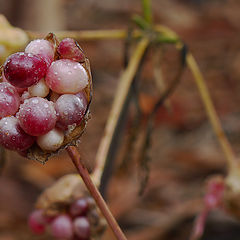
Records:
x=80, y=221
x=43, y=95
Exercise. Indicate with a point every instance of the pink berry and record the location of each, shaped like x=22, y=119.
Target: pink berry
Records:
x=24, y=69
x=37, y=116
x=42, y=48
x=19, y=90
x=69, y=49
x=81, y=227
x=70, y=110
x=9, y=100
x=66, y=76
x=12, y=136
x=61, y=227
x=79, y=207
x=37, y=221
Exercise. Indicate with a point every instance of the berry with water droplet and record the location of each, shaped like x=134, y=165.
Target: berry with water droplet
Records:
x=24, y=69
x=37, y=116
x=9, y=100
x=51, y=141
x=12, y=136
x=69, y=49
x=70, y=109
x=39, y=90
x=42, y=48
x=66, y=76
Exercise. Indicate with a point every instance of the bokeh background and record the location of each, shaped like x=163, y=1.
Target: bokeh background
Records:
x=184, y=151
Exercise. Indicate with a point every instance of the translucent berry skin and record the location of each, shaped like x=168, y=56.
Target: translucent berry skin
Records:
x=24, y=69
x=70, y=110
x=61, y=227
x=51, y=141
x=39, y=90
x=36, y=222
x=69, y=49
x=37, y=116
x=19, y=90
x=12, y=136
x=79, y=207
x=81, y=227
x=66, y=76
x=9, y=100
x=42, y=48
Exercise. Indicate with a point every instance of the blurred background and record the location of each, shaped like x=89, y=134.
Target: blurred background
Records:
x=183, y=152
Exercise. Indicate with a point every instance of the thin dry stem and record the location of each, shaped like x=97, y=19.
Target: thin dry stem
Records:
x=211, y=112
x=75, y=156
x=118, y=104
x=88, y=34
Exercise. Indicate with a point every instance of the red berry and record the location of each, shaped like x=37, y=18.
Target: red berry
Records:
x=70, y=109
x=24, y=69
x=9, y=100
x=69, y=49
x=79, y=207
x=37, y=222
x=42, y=48
x=66, y=76
x=12, y=136
x=37, y=116
x=19, y=90
x=81, y=227
x=61, y=227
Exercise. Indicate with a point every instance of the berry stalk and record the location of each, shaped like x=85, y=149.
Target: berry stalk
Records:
x=75, y=156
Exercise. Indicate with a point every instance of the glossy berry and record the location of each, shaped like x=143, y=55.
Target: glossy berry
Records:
x=12, y=136
x=24, y=69
x=37, y=222
x=66, y=76
x=39, y=90
x=42, y=48
x=19, y=90
x=37, y=116
x=81, y=227
x=79, y=207
x=70, y=110
x=69, y=49
x=61, y=227
x=51, y=141
x=9, y=100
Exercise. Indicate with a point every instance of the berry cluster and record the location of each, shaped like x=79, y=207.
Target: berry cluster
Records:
x=44, y=95
x=76, y=223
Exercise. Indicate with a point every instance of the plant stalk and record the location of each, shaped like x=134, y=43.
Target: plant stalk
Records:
x=103, y=156
x=76, y=159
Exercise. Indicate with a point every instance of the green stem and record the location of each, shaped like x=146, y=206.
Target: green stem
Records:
x=147, y=11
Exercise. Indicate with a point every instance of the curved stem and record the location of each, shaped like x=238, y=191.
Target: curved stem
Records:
x=76, y=159
x=207, y=101
x=117, y=107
